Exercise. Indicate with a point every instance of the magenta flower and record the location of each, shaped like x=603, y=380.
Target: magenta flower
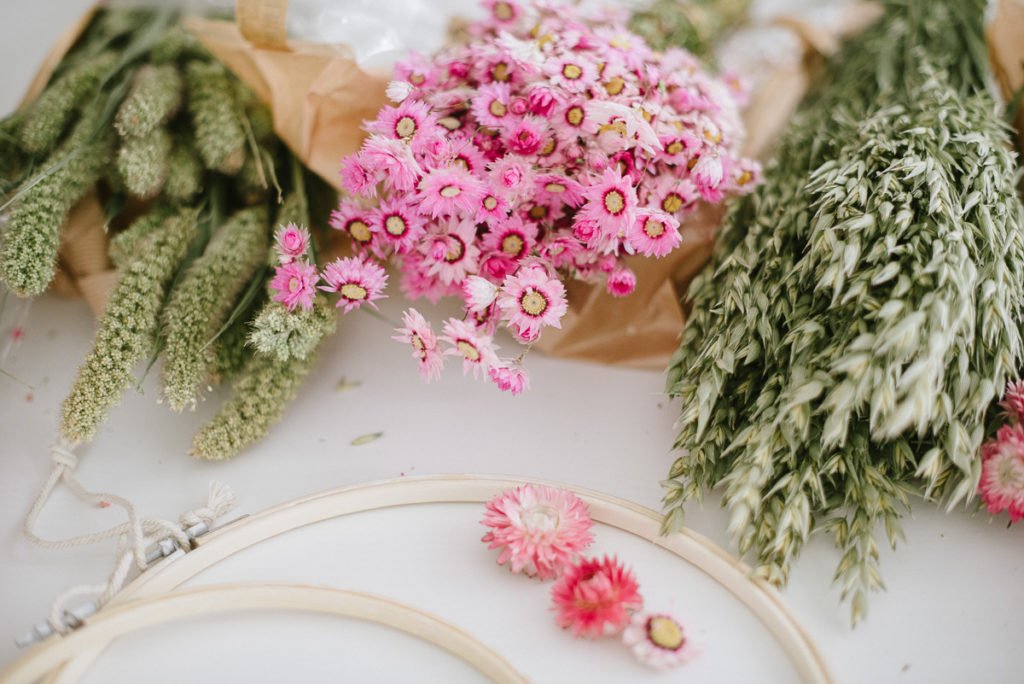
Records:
x=476, y=348
x=596, y=597
x=356, y=282
x=418, y=334
x=1013, y=401
x=654, y=233
x=294, y=285
x=525, y=137
x=531, y=299
x=1002, y=472
x=511, y=378
x=621, y=282
x=291, y=242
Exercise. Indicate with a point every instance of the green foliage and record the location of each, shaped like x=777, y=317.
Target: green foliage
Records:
x=155, y=97
x=694, y=25
x=143, y=163
x=290, y=334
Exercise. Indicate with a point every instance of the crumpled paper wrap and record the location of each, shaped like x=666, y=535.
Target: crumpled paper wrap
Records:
x=1006, y=52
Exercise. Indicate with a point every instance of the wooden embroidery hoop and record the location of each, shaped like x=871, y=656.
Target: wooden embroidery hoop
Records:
x=759, y=597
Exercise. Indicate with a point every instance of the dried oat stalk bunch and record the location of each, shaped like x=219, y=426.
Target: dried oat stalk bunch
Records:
x=863, y=307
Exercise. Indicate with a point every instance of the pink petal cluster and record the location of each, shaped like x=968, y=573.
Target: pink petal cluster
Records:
x=657, y=640
x=552, y=146
x=540, y=530
x=291, y=242
x=1002, y=472
x=596, y=597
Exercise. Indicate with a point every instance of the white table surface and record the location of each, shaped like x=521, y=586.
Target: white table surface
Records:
x=952, y=612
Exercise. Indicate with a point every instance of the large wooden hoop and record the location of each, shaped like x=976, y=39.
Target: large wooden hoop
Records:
x=141, y=613
x=758, y=596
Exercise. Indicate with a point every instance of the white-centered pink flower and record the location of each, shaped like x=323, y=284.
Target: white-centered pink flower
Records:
x=294, y=285
x=530, y=299
x=449, y=191
x=610, y=203
x=539, y=530
x=356, y=282
x=654, y=233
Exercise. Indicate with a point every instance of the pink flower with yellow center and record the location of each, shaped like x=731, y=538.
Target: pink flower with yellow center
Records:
x=611, y=203
x=356, y=221
x=540, y=530
x=452, y=252
x=555, y=189
x=294, y=285
x=395, y=160
x=491, y=104
x=658, y=640
x=595, y=597
x=504, y=12
x=450, y=191
x=493, y=208
x=291, y=242
x=654, y=233
x=531, y=299
x=476, y=347
x=526, y=136
x=1002, y=472
x=398, y=224
x=407, y=121
x=571, y=72
x=418, y=334
x=512, y=237
x=356, y=282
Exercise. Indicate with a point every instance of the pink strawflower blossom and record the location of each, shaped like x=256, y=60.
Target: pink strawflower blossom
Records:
x=404, y=122
x=540, y=530
x=451, y=252
x=1013, y=401
x=504, y=11
x=526, y=136
x=480, y=294
x=654, y=233
x=1002, y=472
x=611, y=203
x=531, y=299
x=449, y=192
x=398, y=224
x=356, y=281
x=595, y=597
x=291, y=242
x=294, y=285
x=418, y=334
x=357, y=177
x=621, y=282
x=511, y=378
x=358, y=222
x=658, y=640
x=707, y=175
x=476, y=347
x=394, y=160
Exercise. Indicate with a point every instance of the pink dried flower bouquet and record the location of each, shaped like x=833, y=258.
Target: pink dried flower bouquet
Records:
x=550, y=147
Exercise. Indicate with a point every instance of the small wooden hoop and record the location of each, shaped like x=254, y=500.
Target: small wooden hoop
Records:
x=758, y=596
x=155, y=610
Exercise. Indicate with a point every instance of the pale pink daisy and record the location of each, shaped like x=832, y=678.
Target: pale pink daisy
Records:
x=621, y=282
x=611, y=203
x=463, y=152
x=540, y=530
x=356, y=281
x=531, y=299
x=513, y=237
x=657, y=640
x=479, y=293
x=571, y=71
x=511, y=378
x=491, y=103
x=476, y=347
x=404, y=122
x=493, y=208
x=654, y=233
x=398, y=224
x=452, y=253
x=556, y=189
x=357, y=177
x=291, y=242
x=745, y=176
x=513, y=175
x=354, y=220
x=707, y=174
x=595, y=597
x=294, y=285
x=449, y=191
x=394, y=159
x=525, y=136
x=1013, y=400
x=418, y=334
x=1002, y=472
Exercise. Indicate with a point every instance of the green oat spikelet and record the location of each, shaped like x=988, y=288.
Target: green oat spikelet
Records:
x=48, y=116
x=126, y=246
x=28, y=254
x=220, y=137
x=184, y=171
x=153, y=100
x=200, y=305
x=143, y=163
x=259, y=398
x=127, y=329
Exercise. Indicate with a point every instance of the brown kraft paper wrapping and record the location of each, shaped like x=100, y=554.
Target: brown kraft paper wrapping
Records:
x=1006, y=52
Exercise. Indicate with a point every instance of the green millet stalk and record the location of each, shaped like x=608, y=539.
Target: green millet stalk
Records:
x=694, y=25
x=289, y=334
x=184, y=171
x=177, y=44
x=863, y=306
x=28, y=254
x=231, y=352
x=259, y=398
x=220, y=137
x=154, y=98
x=127, y=329
x=143, y=162
x=125, y=247
x=202, y=302
x=47, y=117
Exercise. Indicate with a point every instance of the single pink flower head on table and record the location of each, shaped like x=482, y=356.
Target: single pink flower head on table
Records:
x=540, y=530
x=658, y=640
x=476, y=347
x=294, y=285
x=511, y=377
x=1002, y=472
x=356, y=282
x=531, y=299
x=1013, y=401
x=418, y=334
x=596, y=597
x=291, y=242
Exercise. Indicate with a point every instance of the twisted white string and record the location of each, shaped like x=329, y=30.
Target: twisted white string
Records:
x=140, y=532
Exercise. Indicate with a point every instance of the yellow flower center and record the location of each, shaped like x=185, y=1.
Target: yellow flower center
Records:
x=450, y=122
x=555, y=187
x=745, y=178
x=548, y=148
x=537, y=212
x=359, y=231
x=294, y=285
x=500, y=72
x=450, y=191
x=572, y=72
x=712, y=135
x=462, y=161
x=497, y=108
x=503, y=11
x=533, y=302
x=490, y=202
x=574, y=115
x=417, y=343
x=614, y=202
x=654, y=228
x=353, y=292
x=455, y=251
x=674, y=148
x=395, y=225
x=512, y=244
x=665, y=633
x=672, y=203
x=406, y=126
x=615, y=85
x=468, y=350
x=417, y=79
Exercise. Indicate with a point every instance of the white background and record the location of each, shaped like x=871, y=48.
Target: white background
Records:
x=952, y=612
